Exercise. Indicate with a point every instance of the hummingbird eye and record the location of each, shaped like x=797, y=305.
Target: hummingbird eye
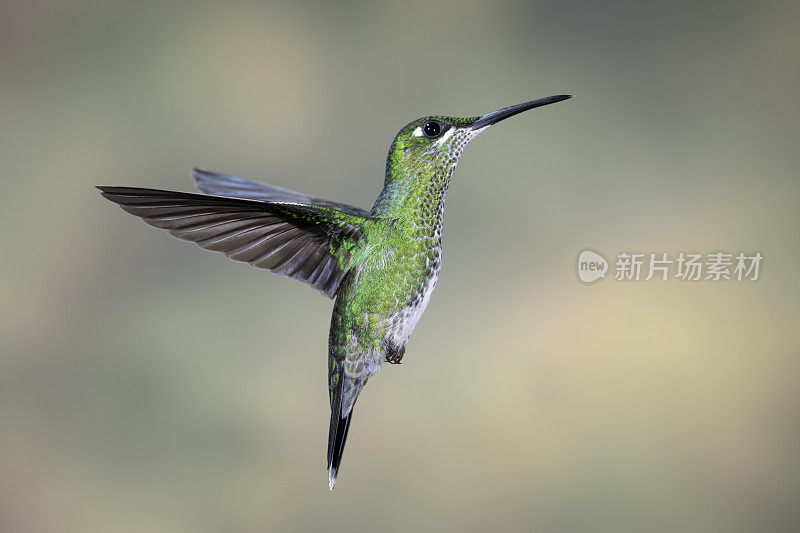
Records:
x=432, y=129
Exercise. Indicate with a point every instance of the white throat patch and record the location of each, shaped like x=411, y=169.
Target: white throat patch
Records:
x=449, y=133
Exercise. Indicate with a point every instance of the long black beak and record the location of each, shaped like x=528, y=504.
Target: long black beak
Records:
x=496, y=116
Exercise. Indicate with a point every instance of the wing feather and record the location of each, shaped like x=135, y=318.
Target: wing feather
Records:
x=232, y=186
x=299, y=240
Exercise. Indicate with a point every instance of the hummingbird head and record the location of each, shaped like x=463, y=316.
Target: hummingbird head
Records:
x=433, y=145
x=425, y=153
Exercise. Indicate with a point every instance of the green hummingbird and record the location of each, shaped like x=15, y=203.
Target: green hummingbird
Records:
x=380, y=265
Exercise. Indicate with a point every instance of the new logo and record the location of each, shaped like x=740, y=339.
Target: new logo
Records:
x=591, y=266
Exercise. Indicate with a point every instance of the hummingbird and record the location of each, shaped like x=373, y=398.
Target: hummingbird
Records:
x=380, y=266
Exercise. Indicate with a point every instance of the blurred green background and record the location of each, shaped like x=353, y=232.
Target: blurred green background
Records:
x=146, y=385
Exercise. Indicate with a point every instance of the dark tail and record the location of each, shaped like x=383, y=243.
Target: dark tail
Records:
x=336, y=438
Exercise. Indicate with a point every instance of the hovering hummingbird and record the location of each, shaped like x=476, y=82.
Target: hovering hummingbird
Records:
x=380, y=266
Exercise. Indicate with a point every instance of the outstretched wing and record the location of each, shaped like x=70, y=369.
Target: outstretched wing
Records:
x=305, y=242
x=232, y=186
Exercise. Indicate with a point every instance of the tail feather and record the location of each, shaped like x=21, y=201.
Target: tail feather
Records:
x=337, y=436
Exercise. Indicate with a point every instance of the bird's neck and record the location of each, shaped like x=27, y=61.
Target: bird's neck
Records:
x=414, y=194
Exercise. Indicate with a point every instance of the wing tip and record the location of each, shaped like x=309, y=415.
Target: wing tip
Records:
x=119, y=194
x=112, y=192
x=106, y=189
x=199, y=173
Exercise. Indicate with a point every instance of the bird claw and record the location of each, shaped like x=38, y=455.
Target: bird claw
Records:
x=395, y=355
